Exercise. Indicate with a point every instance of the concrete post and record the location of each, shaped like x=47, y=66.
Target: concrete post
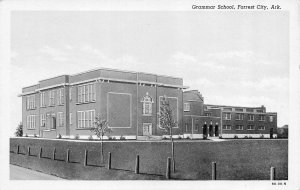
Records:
x=137, y=164
x=68, y=156
x=18, y=149
x=54, y=151
x=272, y=173
x=109, y=161
x=40, y=153
x=213, y=170
x=85, y=157
x=28, y=150
x=168, y=170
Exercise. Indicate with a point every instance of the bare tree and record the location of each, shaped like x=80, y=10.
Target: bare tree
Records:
x=167, y=123
x=100, y=128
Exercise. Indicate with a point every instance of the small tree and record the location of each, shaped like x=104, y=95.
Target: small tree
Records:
x=100, y=128
x=167, y=123
x=19, y=130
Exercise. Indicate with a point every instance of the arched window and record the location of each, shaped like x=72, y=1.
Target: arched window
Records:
x=147, y=105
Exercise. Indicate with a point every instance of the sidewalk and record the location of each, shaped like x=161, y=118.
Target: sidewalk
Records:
x=19, y=173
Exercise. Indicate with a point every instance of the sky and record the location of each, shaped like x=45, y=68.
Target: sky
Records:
x=232, y=58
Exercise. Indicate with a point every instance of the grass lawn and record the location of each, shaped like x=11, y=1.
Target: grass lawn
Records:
x=239, y=159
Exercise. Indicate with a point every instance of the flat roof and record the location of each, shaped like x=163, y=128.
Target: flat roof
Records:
x=126, y=71
x=233, y=106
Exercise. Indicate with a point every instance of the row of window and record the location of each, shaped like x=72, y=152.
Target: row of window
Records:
x=86, y=93
x=241, y=127
x=239, y=116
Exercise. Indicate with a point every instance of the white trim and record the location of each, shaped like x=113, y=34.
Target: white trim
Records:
x=52, y=86
x=108, y=79
x=107, y=110
x=199, y=116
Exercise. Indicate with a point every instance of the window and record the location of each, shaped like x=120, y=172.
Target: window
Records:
x=86, y=93
x=249, y=110
x=85, y=118
x=239, y=116
x=239, y=127
x=226, y=127
x=261, y=128
x=70, y=118
x=208, y=114
x=262, y=118
x=259, y=111
x=227, y=116
x=31, y=122
x=51, y=98
x=30, y=102
x=43, y=99
x=43, y=120
x=60, y=96
x=227, y=109
x=239, y=109
x=250, y=127
x=186, y=107
x=60, y=119
x=271, y=117
x=147, y=105
x=251, y=117
x=197, y=127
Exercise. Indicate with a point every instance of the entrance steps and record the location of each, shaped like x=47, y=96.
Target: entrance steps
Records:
x=149, y=138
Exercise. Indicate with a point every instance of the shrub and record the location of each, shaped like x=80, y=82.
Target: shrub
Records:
x=179, y=137
x=261, y=136
x=110, y=138
x=34, y=135
x=122, y=137
x=245, y=137
x=90, y=138
x=114, y=138
x=164, y=138
x=250, y=137
x=236, y=137
x=76, y=137
x=58, y=136
x=220, y=137
x=26, y=135
x=188, y=137
x=19, y=130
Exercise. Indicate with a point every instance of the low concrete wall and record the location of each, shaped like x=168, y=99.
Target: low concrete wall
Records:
x=244, y=160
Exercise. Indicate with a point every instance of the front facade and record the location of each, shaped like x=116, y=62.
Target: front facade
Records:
x=66, y=105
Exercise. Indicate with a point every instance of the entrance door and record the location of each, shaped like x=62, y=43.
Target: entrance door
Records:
x=216, y=130
x=210, y=130
x=271, y=133
x=204, y=131
x=147, y=129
